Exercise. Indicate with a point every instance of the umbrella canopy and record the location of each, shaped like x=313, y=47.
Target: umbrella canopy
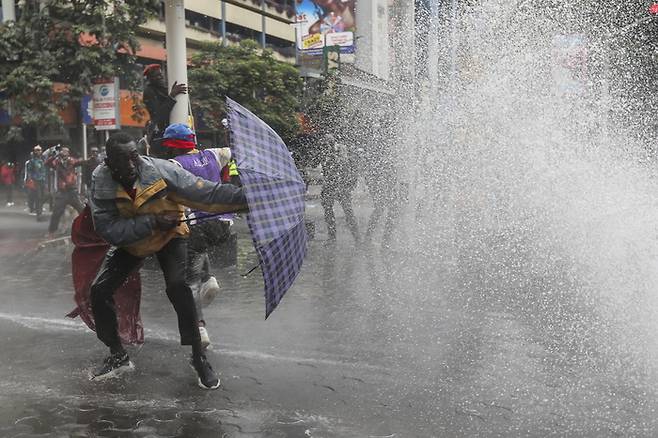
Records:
x=276, y=194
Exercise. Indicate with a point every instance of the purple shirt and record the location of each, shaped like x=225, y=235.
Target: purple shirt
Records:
x=206, y=164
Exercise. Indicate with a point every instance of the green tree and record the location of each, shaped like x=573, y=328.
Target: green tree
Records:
x=68, y=41
x=249, y=75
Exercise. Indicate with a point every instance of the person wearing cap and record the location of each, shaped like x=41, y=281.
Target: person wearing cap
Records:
x=137, y=206
x=179, y=145
x=158, y=100
x=35, y=181
x=60, y=159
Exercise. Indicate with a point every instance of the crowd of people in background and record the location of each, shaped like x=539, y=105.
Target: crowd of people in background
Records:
x=52, y=177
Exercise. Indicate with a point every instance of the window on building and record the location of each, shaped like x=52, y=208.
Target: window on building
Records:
x=283, y=47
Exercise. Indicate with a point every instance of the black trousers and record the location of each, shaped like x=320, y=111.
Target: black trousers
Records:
x=327, y=198
x=203, y=236
x=116, y=268
x=35, y=198
x=62, y=199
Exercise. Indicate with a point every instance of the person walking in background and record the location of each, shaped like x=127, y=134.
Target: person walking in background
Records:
x=67, y=184
x=158, y=100
x=8, y=177
x=35, y=181
x=339, y=180
x=137, y=205
x=386, y=189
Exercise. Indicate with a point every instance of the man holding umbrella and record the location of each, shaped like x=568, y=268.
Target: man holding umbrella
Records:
x=137, y=206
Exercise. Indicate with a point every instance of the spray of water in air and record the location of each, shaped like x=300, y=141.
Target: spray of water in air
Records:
x=523, y=192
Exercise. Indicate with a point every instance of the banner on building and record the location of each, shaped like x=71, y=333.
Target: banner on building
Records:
x=323, y=24
x=106, y=104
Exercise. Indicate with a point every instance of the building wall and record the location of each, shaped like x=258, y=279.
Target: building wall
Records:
x=372, y=38
x=244, y=19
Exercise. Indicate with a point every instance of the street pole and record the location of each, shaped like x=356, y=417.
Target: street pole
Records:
x=84, y=140
x=8, y=11
x=453, y=26
x=433, y=48
x=223, y=24
x=176, y=56
x=263, y=35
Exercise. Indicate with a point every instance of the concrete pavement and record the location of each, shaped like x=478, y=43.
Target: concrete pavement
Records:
x=370, y=342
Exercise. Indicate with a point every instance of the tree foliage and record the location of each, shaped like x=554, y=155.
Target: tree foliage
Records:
x=71, y=42
x=250, y=76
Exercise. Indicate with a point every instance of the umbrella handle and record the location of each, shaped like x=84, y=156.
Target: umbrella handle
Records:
x=250, y=271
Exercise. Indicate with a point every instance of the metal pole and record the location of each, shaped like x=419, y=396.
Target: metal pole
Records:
x=176, y=56
x=8, y=11
x=223, y=24
x=453, y=25
x=263, y=37
x=433, y=47
x=84, y=140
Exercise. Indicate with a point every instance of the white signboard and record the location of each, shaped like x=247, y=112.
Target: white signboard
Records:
x=106, y=104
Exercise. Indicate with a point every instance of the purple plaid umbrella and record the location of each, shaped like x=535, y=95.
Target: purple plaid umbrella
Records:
x=275, y=193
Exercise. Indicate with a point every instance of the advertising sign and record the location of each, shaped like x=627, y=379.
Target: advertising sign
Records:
x=570, y=64
x=324, y=23
x=106, y=104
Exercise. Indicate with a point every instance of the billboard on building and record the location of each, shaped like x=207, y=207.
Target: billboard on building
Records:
x=325, y=23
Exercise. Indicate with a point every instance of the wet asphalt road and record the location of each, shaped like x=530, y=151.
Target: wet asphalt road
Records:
x=370, y=342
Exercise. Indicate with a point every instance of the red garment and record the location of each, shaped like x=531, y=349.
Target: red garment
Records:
x=8, y=175
x=67, y=176
x=87, y=259
x=176, y=143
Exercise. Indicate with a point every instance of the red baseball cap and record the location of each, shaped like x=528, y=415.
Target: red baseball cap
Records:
x=151, y=67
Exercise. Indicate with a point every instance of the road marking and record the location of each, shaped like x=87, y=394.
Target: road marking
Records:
x=65, y=324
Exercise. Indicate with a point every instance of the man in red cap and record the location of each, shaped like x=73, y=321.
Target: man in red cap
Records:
x=158, y=101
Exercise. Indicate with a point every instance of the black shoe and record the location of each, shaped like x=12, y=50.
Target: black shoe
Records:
x=113, y=366
x=207, y=377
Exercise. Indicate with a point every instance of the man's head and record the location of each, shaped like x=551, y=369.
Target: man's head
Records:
x=178, y=139
x=153, y=73
x=122, y=158
x=65, y=152
x=93, y=152
x=37, y=151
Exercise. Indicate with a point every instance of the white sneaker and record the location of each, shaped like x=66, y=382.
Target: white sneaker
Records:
x=208, y=291
x=205, y=339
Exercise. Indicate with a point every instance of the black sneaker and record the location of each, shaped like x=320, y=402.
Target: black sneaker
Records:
x=207, y=377
x=113, y=366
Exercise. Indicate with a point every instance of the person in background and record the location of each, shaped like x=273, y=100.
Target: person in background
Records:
x=35, y=181
x=340, y=179
x=88, y=167
x=179, y=145
x=60, y=159
x=158, y=100
x=29, y=186
x=137, y=206
x=8, y=177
